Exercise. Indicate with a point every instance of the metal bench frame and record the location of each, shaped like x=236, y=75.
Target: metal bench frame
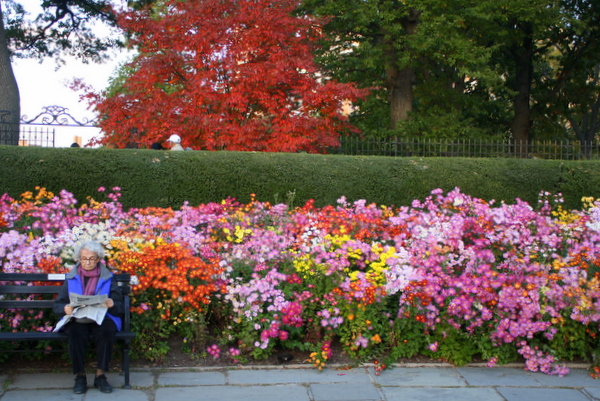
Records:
x=27, y=285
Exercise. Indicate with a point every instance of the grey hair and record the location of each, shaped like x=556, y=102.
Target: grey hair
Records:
x=92, y=246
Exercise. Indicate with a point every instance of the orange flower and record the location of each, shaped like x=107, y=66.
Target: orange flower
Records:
x=174, y=269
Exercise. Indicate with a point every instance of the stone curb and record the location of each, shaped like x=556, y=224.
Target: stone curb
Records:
x=309, y=366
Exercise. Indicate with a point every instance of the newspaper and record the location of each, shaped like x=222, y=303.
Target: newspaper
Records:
x=87, y=308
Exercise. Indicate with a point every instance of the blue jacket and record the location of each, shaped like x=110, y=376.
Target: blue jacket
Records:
x=106, y=285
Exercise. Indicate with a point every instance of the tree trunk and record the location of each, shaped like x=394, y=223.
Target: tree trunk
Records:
x=400, y=85
x=523, y=57
x=400, y=81
x=588, y=128
x=10, y=100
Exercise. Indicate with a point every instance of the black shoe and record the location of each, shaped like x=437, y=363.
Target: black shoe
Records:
x=101, y=384
x=80, y=386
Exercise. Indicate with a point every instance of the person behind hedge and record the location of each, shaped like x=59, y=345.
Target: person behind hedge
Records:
x=90, y=277
x=175, y=141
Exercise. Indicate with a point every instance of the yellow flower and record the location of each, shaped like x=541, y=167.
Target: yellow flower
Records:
x=558, y=264
x=588, y=202
x=337, y=240
x=585, y=303
x=240, y=233
x=376, y=248
x=354, y=253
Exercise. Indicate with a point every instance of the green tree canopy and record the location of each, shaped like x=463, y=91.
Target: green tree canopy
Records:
x=511, y=68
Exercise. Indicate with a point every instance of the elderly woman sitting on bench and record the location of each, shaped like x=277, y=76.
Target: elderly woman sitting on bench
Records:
x=90, y=276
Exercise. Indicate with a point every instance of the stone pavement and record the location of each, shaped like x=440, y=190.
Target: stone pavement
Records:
x=299, y=383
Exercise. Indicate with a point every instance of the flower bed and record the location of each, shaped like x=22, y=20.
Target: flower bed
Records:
x=451, y=277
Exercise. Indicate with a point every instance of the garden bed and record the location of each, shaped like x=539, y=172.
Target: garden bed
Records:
x=177, y=358
x=450, y=278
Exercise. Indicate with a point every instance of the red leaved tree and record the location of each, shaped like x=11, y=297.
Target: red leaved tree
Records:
x=226, y=74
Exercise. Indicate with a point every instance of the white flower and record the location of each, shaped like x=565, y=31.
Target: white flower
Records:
x=133, y=280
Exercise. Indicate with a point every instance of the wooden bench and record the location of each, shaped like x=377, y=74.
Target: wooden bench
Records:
x=24, y=285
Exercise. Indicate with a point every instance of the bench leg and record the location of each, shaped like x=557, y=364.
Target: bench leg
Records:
x=126, y=364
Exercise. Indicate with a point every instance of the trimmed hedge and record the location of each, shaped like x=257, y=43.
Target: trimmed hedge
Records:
x=167, y=179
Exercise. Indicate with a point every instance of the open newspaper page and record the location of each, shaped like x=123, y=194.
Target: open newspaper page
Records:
x=87, y=308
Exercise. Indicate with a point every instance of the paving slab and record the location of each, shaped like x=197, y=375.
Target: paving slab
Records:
x=594, y=392
x=575, y=378
x=257, y=376
x=305, y=384
x=44, y=380
x=287, y=392
x=118, y=394
x=491, y=377
x=545, y=394
x=66, y=380
x=441, y=394
x=191, y=378
x=3, y=380
x=136, y=379
x=425, y=377
x=45, y=395
x=345, y=392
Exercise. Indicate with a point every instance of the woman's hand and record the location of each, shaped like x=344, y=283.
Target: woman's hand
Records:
x=110, y=303
x=68, y=310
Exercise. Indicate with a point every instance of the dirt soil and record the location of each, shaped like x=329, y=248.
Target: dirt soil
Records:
x=176, y=358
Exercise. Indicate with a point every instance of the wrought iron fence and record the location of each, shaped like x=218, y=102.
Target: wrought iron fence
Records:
x=28, y=135
x=37, y=136
x=416, y=147
x=57, y=116
x=39, y=130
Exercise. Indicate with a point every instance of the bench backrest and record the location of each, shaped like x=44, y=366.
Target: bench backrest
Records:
x=26, y=284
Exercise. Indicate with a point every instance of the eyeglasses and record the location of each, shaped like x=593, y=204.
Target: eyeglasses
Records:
x=89, y=260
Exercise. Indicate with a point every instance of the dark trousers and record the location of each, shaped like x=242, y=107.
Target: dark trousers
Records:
x=104, y=338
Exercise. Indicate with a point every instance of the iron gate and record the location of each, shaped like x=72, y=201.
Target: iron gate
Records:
x=41, y=129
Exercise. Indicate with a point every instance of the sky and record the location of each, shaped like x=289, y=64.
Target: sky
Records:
x=41, y=85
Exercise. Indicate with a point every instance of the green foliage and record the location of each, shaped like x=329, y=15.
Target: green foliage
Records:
x=168, y=179
x=407, y=340
x=156, y=323
x=62, y=28
x=571, y=341
x=456, y=349
x=440, y=122
x=465, y=59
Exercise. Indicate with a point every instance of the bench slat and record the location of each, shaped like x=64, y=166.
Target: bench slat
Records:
x=121, y=277
x=37, y=304
x=32, y=336
x=41, y=336
x=29, y=289
x=31, y=277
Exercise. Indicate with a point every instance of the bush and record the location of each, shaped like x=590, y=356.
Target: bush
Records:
x=168, y=179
